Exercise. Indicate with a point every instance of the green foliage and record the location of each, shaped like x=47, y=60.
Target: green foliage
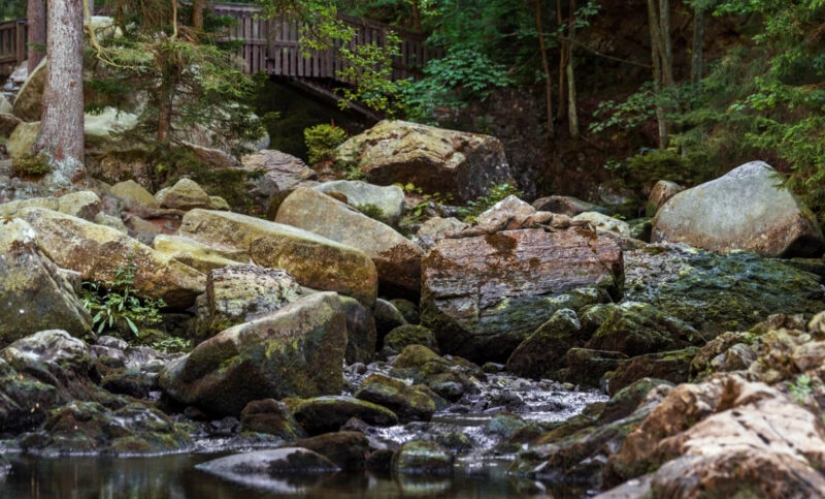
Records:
x=429, y=202
x=172, y=344
x=636, y=109
x=31, y=165
x=113, y=304
x=373, y=211
x=801, y=388
x=12, y=9
x=321, y=141
x=497, y=193
x=464, y=74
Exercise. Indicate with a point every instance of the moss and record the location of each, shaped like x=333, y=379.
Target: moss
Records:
x=31, y=165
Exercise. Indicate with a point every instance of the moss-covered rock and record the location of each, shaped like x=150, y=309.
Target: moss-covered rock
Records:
x=34, y=293
x=273, y=418
x=327, y=414
x=264, y=464
x=635, y=328
x=716, y=293
x=672, y=366
x=626, y=400
x=421, y=457
x=88, y=427
x=361, y=332
x=410, y=403
x=409, y=334
x=347, y=449
x=586, y=366
x=544, y=352
x=296, y=351
x=313, y=260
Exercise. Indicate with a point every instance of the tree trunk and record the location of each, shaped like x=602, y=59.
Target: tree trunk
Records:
x=659, y=72
x=197, y=14
x=572, y=109
x=545, y=65
x=61, y=130
x=416, y=12
x=564, y=51
x=697, y=60
x=36, y=38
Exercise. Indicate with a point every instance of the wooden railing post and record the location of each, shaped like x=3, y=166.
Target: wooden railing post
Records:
x=20, y=41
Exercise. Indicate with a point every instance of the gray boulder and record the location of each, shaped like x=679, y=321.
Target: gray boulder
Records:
x=743, y=210
x=389, y=200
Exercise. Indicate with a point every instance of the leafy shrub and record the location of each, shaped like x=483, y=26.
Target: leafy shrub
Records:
x=114, y=306
x=497, y=192
x=322, y=140
x=31, y=165
x=172, y=344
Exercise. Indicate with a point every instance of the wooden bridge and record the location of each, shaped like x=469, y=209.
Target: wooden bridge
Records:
x=271, y=46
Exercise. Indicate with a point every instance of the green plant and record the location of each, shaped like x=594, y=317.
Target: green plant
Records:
x=801, y=388
x=173, y=344
x=373, y=211
x=31, y=165
x=113, y=303
x=321, y=141
x=497, y=192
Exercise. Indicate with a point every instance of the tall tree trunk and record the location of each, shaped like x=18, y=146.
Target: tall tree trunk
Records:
x=548, y=78
x=564, y=52
x=61, y=130
x=661, y=74
x=572, y=109
x=697, y=60
x=36, y=38
x=197, y=14
x=416, y=12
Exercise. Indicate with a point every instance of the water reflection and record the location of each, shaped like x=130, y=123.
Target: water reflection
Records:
x=175, y=477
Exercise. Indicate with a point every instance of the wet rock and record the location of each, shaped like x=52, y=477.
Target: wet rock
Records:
x=130, y=382
x=397, y=259
x=566, y=205
x=42, y=372
x=717, y=293
x=423, y=458
x=586, y=366
x=273, y=418
x=484, y=295
x=408, y=309
x=626, y=400
x=672, y=366
x=505, y=425
x=637, y=328
x=267, y=463
x=88, y=427
x=97, y=252
x=34, y=294
x=242, y=293
x=389, y=200
x=433, y=159
x=346, y=449
x=314, y=261
x=409, y=334
x=448, y=378
x=659, y=195
x=361, y=331
x=387, y=318
x=730, y=351
x=409, y=403
x=743, y=210
x=196, y=255
x=725, y=436
x=544, y=352
x=328, y=414
x=297, y=350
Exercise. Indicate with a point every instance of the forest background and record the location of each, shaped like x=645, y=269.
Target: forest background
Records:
x=623, y=93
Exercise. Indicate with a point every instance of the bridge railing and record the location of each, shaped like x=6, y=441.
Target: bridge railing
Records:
x=273, y=45
x=12, y=45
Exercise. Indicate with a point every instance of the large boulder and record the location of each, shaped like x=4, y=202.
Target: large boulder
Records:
x=725, y=438
x=396, y=258
x=81, y=204
x=27, y=103
x=197, y=255
x=433, y=159
x=389, y=200
x=22, y=139
x=280, y=174
x=296, y=351
x=483, y=295
x=716, y=293
x=545, y=351
x=314, y=261
x=34, y=293
x=42, y=372
x=185, y=195
x=97, y=252
x=742, y=210
x=635, y=328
